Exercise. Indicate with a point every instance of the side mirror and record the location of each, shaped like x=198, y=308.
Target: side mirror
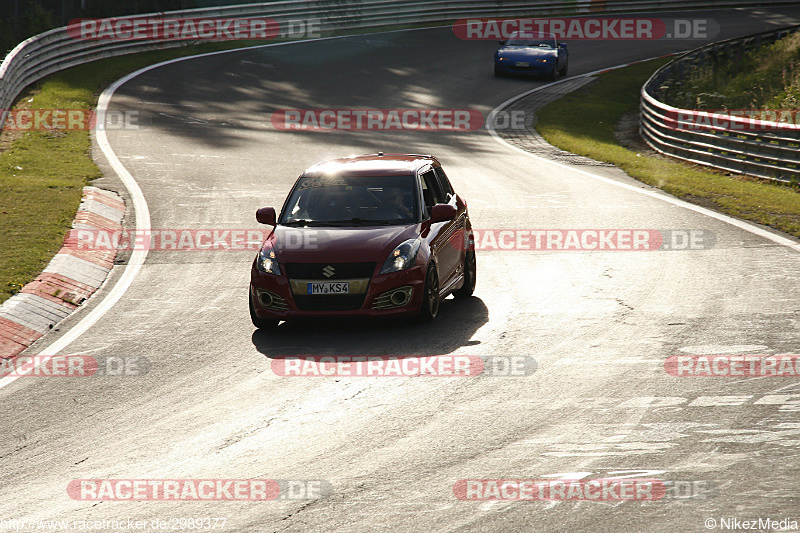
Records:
x=266, y=215
x=442, y=212
x=562, y=45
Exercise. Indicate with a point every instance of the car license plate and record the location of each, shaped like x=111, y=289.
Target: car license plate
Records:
x=329, y=287
x=523, y=64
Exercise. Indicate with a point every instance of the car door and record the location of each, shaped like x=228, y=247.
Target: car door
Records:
x=444, y=234
x=459, y=241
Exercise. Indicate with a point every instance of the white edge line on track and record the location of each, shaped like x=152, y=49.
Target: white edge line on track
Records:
x=778, y=239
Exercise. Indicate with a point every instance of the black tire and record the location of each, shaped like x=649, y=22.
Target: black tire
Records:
x=554, y=75
x=565, y=69
x=261, y=323
x=430, y=297
x=470, y=273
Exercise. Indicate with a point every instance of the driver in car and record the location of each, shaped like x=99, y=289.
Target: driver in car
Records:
x=394, y=204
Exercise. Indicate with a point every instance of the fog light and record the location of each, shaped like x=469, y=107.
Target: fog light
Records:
x=393, y=299
x=399, y=298
x=270, y=300
x=266, y=299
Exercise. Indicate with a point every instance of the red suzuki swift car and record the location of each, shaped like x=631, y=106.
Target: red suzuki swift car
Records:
x=373, y=235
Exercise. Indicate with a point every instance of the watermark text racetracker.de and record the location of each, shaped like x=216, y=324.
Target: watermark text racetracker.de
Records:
x=605, y=485
x=734, y=120
x=733, y=366
x=187, y=240
x=620, y=239
x=454, y=120
x=169, y=29
x=585, y=487
x=73, y=366
x=254, y=490
x=403, y=366
x=67, y=120
x=587, y=28
x=193, y=29
x=559, y=489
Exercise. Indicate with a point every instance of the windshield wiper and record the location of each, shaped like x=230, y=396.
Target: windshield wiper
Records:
x=305, y=222
x=357, y=221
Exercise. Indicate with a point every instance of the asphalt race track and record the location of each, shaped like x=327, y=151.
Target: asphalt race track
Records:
x=599, y=325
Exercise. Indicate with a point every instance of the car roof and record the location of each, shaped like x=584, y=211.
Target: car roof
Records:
x=377, y=165
x=531, y=35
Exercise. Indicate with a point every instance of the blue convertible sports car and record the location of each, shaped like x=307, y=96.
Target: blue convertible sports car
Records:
x=532, y=53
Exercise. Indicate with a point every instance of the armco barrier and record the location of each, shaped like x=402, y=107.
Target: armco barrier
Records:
x=740, y=145
x=55, y=50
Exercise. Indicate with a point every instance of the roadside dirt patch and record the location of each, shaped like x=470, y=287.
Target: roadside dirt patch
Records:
x=7, y=137
x=627, y=134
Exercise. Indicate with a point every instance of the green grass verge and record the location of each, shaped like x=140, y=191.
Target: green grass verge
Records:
x=583, y=122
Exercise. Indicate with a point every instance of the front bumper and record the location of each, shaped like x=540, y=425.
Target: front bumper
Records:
x=534, y=68
x=285, y=304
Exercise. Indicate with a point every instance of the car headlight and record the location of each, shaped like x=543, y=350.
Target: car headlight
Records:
x=402, y=257
x=267, y=262
x=502, y=59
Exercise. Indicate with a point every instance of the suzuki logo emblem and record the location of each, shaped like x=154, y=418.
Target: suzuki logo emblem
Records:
x=328, y=271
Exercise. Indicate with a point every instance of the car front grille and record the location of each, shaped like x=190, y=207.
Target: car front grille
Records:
x=329, y=302
x=320, y=271
x=329, y=272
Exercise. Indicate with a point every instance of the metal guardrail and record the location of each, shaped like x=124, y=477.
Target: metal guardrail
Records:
x=56, y=50
x=735, y=144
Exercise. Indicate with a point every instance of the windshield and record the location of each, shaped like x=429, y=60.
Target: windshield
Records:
x=540, y=43
x=351, y=201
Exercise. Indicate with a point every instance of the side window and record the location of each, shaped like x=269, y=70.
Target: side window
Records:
x=444, y=182
x=430, y=190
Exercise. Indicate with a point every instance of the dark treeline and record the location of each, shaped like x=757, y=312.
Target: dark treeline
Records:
x=20, y=19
